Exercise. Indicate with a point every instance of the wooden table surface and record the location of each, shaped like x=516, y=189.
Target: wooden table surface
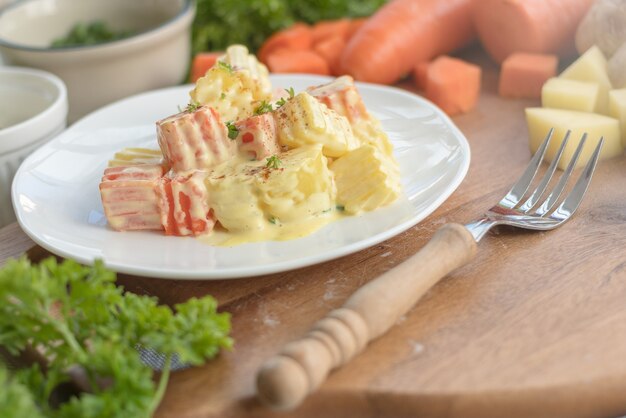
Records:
x=534, y=326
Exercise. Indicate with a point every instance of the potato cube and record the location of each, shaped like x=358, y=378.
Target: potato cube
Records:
x=540, y=120
x=560, y=93
x=592, y=67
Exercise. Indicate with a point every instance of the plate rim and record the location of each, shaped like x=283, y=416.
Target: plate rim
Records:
x=251, y=271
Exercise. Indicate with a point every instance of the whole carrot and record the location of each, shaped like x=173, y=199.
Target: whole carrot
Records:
x=403, y=33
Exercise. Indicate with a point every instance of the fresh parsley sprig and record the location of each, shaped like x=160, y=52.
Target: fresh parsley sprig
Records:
x=225, y=66
x=78, y=317
x=190, y=108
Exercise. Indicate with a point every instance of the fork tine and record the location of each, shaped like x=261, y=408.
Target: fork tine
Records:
x=553, y=197
x=519, y=189
x=541, y=188
x=573, y=199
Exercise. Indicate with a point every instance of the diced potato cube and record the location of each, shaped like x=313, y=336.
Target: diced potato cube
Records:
x=561, y=93
x=540, y=120
x=592, y=67
x=239, y=58
x=305, y=121
x=366, y=179
x=617, y=109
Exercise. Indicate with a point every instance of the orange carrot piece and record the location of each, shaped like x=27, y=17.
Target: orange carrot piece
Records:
x=330, y=49
x=328, y=28
x=296, y=37
x=355, y=25
x=297, y=61
x=404, y=32
x=522, y=75
x=453, y=84
x=202, y=62
x=541, y=26
x=420, y=73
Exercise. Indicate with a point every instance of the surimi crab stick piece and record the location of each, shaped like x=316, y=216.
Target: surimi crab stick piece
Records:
x=183, y=201
x=129, y=197
x=341, y=96
x=256, y=136
x=194, y=139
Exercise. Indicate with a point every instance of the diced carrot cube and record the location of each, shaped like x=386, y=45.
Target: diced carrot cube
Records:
x=523, y=74
x=355, y=25
x=453, y=84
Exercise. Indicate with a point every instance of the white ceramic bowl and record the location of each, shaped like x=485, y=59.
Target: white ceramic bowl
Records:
x=33, y=109
x=157, y=55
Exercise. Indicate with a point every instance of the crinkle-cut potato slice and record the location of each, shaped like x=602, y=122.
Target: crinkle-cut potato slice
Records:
x=366, y=179
x=303, y=120
x=136, y=156
x=233, y=89
x=300, y=187
x=246, y=197
x=370, y=132
x=233, y=196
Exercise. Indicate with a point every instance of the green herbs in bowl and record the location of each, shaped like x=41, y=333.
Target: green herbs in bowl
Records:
x=93, y=33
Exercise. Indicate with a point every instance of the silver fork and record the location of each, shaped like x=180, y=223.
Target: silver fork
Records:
x=285, y=380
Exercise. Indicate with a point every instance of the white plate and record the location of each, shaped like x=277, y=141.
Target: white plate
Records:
x=57, y=203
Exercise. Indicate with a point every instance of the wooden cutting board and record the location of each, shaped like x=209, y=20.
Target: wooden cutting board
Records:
x=534, y=326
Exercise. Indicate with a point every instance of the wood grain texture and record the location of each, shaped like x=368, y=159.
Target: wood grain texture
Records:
x=534, y=326
x=300, y=368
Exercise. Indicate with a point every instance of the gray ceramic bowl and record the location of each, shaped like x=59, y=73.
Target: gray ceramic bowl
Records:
x=156, y=56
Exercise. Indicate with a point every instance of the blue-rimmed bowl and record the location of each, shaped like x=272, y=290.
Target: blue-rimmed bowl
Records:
x=155, y=56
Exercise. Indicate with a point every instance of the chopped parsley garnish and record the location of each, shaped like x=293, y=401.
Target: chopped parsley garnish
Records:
x=340, y=208
x=264, y=107
x=190, y=108
x=232, y=130
x=282, y=100
x=222, y=96
x=225, y=66
x=273, y=220
x=273, y=162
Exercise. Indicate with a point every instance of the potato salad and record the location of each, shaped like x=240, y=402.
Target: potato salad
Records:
x=243, y=162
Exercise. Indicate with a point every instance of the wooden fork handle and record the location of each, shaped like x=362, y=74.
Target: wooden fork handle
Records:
x=301, y=367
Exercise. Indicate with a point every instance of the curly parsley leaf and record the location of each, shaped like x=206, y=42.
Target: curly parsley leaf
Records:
x=273, y=162
x=232, y=130
x=80, y=318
